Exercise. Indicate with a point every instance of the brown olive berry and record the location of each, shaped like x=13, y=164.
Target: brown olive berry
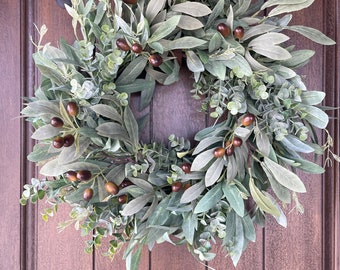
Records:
x=131, y=2
x=56, y=122
x=122, y=44
x=136, y=48
x=111, y=188
x=84, y=175
x=68, y=140
x=219, y=152
x=239, y=32
x=71, y=176
x=186, y=167
x=58, y=142
x=155, y=60
x=237, y=142
x=125, y=183
x=230, y=150
x=72, y=108
x=88, y=194
x=122, y=199
x=223, y=29
x=175, y=187
x=248, y=119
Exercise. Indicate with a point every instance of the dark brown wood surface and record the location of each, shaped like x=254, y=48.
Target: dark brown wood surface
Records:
x=311, y=240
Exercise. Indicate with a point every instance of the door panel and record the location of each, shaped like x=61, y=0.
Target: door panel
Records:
x=311, y=240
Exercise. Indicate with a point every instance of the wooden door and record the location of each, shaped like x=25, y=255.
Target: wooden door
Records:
x=311, y=241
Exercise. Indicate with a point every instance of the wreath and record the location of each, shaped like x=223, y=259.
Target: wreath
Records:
x=242, y=168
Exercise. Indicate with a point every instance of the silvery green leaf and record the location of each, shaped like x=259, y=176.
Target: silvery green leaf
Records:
x=214, y=172
x=266, y=45
x=189, y=23
x=165, y=28
x=262, y=141
x=192, y=8
x=271, y=3
x=194, y=62
x=143, y=184
x=285, y=177
x=45, y=132
x=107, y=111
x=147, y=94
x=230, y=17
x=233, y=195
x=241, y=62
x=202, y=160
x=151, y=208
x=182, y=43
x=153, y=8
x=209, y=200
x=283, y=71
x=263, y=202
x=242, y=132
x=258, y=30
x=123, y=25
x=309, y=166
x=131, y=126
x=215, y=43
x=135, y=205
x=241, y=7
x=237, y=249
x=249, y=229
x=312, y=97
x=281, y=192
x=116, y=174
x=217, y=69
x=282, y=219
x=132, y=71
x=315, y=116
x=289, y=8
x=231, y=168
x=293, y=143
x=216, y=12
x=299, y=58
x=113, y=130
x=137, y=86
x=255, y=65
x=189, y=226
x=53, y=168
x=41, y=107
x=74, y=152
x=313, y=34
x=41, y=153
x=205, y=143
x=193, y=192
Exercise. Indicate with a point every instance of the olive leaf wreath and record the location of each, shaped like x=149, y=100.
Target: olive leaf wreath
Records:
x=142, y=193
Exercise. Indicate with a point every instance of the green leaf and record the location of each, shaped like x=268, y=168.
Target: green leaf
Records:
x=264, y=203
x=74, y=152
x=135, y=205
x=258, y=30
x=131, y=126
x=107, y=111
x=147, y=94
x=233, y=195
x=309, y=166
x=312, y=97
x=132, y=71
x=249, y=229
x=45, y=132
x=192, y=8
x=182, y=43
x=286, y=6
x=209, y=200
x=285, y=177
x=240, y=62
x=165, y=29
x=143, y=184
x=314, y=115
x=194, y=63
x=116, y=174
x=202, y=160
x=40, y=153
x=216, y=12
x=53, y=168
x=153, y=8
x=137, y=86
x=189, y=226
x=205, y=143
x=114, y=131
x=299, y=58
x=189, y=23
x=193, y=192
x=313, y=34
x=214, y=172
x=293, y=143
x=262, y=141
x=266, y=45
x=237, y=249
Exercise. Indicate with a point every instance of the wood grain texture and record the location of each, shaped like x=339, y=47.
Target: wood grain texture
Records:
x=58, y=250
x=10, y=124
x=299, y=246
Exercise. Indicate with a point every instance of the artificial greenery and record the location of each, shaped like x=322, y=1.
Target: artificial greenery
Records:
x=145, y=193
